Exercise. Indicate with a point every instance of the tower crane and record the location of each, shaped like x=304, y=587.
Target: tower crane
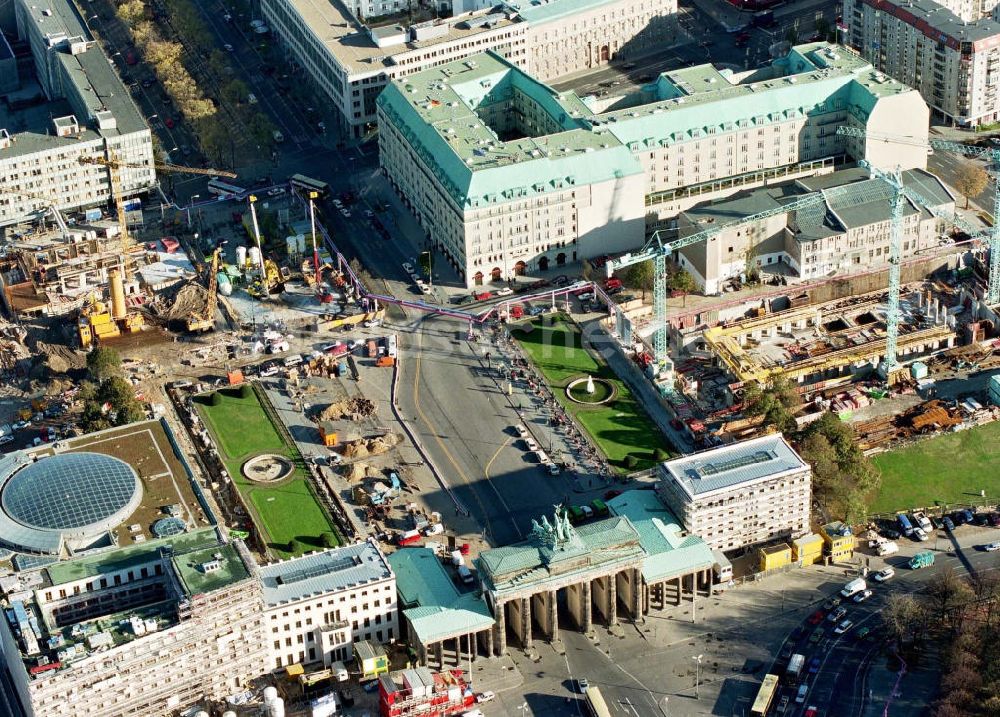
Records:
x=657, y=249
x=992, y=153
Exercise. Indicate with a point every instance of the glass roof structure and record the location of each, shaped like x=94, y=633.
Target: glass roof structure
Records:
x=69, y=496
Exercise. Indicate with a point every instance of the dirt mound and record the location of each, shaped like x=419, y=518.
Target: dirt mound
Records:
x=364, y=447
x=354, y=409
x=60, y=359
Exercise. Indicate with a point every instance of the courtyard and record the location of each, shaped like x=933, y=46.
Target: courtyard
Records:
x=620, y=427
x=285, y=510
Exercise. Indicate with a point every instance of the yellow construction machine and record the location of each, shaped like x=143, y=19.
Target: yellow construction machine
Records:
x=205, y=320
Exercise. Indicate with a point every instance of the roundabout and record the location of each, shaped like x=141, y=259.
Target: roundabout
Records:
x=591, y=391
x=267, y=468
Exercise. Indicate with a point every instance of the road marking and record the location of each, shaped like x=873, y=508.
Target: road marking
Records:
x=437, y=438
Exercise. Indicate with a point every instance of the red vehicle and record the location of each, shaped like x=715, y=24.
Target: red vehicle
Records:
x=169, y=123
x=130, y=58
x=465, y=548
x=337, y=349
x=408, y=538
x=613, y=283
x=816, y=618
x=516, y=311
x=483, y=296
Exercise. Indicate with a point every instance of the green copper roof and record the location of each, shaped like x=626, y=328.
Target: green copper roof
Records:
x=454, y=116
x=669, y=552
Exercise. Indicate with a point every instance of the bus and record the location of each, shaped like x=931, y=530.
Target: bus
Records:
x=308, y=184
x=221, y=188
x=595, y=700
x=765, y=696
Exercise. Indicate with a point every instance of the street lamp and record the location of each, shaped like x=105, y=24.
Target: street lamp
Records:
x=697, y=674
x=187, y=209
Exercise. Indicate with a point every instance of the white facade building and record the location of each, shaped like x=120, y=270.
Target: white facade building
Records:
x=352, y=62
x=508, y=177
x=89, y=114
x=146, y=630
x=841, y=234
x=318, y=605
x=950, y=52
x=741, y=494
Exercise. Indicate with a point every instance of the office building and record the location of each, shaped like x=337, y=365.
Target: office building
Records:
x=149, y=629
x=317, y=606
x=69, y=107
x=949, y=52
x=741, y=494
x=352, y=62
x=846, y=231
x=508, y=176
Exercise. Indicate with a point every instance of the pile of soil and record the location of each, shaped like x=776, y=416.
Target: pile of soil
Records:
x=354, y=409
x=364, y=447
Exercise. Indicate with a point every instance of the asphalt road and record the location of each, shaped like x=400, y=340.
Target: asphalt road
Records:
x=947, y=166
x=466, y=426
x=839, y=685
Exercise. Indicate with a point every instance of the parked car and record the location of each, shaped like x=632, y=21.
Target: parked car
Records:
x=862, y=596
x=837, y=614
x=948, y=524
x=814, y=664
x=583, y=685
x=816, y=618
x=505, y=291
x=832, y=603
x=843, y=627
x=991, y=547
x=484, y=697
x=817, y=635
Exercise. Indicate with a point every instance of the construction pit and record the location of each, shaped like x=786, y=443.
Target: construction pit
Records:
x=840, y=341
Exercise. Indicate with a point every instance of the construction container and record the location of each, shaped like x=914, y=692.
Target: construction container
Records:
x=918, y=370
x=385, y=362
x=773, y=557
x=328, y=433
x=808, y=549
x=235, y=377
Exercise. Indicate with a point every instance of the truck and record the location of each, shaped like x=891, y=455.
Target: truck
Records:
x=795, y=665
x=923, y=559
x=905, y=526
x=923, y=521
x=855, y=586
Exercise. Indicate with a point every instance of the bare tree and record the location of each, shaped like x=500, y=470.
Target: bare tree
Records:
x=947, y=591
x=903, y=618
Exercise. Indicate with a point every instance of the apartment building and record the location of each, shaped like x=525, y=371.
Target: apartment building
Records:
x=317, y=606
x=509, y=177
x=352, y=62
x=149, y=629
x=845, y=230
x=741, y=494
x=69, y=107
x=949, y=52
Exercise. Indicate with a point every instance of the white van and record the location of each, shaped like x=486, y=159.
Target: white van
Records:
x=887, y=548
x=855, y=586
x=339, y=672
x=293, y=360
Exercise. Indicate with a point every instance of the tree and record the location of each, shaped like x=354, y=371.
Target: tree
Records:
x=823, y=29
x=103, y=362
x=246, y=391
x=660, y=455
x=120, y=395
x=631, y=462
x=970, y=182
x=329, y=540
x=215, y=399
x=903, y=618
x=946, y=591
x=640, y=276
x=296, y=547
x=131, y=11
x=235, y=92
x=681, y=280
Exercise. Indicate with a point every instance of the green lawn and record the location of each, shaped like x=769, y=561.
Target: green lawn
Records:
x=619, y=428
x=286, y=511
x=949, y=468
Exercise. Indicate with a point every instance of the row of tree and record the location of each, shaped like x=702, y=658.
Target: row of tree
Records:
x=164, y=56
x=963, y=617
x=844, y=480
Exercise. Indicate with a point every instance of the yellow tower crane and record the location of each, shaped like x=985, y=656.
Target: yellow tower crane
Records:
x=98, y=322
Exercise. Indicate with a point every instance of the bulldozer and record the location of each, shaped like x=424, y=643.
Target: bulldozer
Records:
x=272, y=282
x=202, y=321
